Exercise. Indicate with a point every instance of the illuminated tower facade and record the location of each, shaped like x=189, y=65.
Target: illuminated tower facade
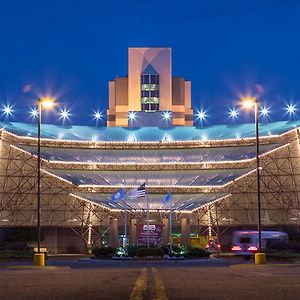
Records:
x=149, y=96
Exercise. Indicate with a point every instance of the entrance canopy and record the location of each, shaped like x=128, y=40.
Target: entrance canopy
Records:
x=179, y=202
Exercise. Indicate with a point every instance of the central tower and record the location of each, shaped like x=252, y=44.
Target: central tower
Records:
x=149, y=96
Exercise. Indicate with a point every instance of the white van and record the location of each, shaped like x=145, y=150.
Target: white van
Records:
x=245, y=242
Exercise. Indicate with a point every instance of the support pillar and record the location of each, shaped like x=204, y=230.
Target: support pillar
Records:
x=166, y=231
x=132, y=232
x=113, y=233
x=185, y=231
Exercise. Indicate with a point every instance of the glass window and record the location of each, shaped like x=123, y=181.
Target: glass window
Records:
x=245, y=240
x=149, y=92
x=154, y=93
x=146, y=93
x=145, y=79
x=154, y=106
x=154, y=79
x=145, y=106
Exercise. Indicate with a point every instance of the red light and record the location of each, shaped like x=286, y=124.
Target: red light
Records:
x=207, y=246
x=252, y=248
x=236, y=248
x=219, y=246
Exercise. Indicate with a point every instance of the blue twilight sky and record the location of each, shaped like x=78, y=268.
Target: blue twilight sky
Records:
x=225, y=47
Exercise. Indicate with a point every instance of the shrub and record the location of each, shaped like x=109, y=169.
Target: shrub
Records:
x=105, y=252
x=121, y=252
x=197, y=252
x=132, y=249
x=143, y=252
x=185, y=251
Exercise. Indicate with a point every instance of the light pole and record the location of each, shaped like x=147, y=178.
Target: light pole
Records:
x=260, y=258
x=39, y=258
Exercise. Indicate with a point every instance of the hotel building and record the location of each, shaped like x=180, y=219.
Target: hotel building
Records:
x=150, y=95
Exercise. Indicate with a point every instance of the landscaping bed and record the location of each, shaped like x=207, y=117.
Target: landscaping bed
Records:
x=141, y=252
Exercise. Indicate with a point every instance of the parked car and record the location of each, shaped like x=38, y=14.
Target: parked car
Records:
x=212, y=245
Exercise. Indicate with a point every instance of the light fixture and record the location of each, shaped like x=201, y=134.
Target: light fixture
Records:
x=7, y=110
x=291, y=109
x=233, y=113
x=201, y=115
x=34, y=113
x=248, y=102
x=97, y=115
x=167, y=115
x=264, y=111
x=132, y=115
x=64, y=114
x=47, y=102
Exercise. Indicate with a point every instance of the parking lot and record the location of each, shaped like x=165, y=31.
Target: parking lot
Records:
x=83, y=278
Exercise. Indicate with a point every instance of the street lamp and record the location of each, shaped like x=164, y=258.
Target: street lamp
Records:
x=249, y=103
x=46, y=103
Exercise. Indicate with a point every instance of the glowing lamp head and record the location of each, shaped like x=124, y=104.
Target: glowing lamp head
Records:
x=291, y=109
x=64, y=114
x=7, y=110
x=34, y=113
x=167, y=115
x=248, y=102
x=265, y=111
x=201, y=115
x=131, y=115
x=97, y=115
x=233, y=113
x=47, y=102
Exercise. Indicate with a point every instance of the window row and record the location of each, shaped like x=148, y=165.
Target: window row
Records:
x=150, y=106
x=149, y=79
x=149, y=94
x=150, y=100
x=149, y=87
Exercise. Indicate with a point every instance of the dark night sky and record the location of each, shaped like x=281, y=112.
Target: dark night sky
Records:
x=72, y=48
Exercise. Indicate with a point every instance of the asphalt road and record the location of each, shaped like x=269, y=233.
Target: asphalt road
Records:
x=211, y=279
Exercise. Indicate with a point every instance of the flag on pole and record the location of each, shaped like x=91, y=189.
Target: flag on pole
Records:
x=118, y=195
x=167, y=198
x=137, y=192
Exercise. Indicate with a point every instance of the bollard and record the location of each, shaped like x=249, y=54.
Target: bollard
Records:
x=39, y=259
x=260, y=258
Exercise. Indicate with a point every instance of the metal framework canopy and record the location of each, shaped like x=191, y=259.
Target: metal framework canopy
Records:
x=210, y=172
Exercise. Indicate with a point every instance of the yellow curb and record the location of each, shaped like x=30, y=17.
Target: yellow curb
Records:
x=33, y=268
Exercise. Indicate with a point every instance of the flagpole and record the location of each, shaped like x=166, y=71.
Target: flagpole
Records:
x=148, y=240
x=171, y=241
x=125, y=216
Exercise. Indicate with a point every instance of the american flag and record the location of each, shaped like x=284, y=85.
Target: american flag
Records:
x=137, y=192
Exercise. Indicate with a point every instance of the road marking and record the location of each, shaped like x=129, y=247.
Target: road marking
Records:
x=159, y=293
x=139, y=286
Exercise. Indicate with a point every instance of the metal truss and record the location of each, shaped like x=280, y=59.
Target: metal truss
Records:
x=280, y=176
x=280, y=190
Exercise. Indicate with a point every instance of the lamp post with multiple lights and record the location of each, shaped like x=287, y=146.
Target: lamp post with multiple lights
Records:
x=39, y=258
x=248, y=103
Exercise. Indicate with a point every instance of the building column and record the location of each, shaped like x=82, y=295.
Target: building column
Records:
x=185, y=231
x=166, y=231
x=55, y=240
x=113, y=233
x=132, y=232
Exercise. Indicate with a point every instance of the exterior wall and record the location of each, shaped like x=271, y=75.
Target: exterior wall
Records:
x=188, y=103
x=178, y=101
x=181, y=102
x=138, y=60
x=117, y=114
x=111, y=112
